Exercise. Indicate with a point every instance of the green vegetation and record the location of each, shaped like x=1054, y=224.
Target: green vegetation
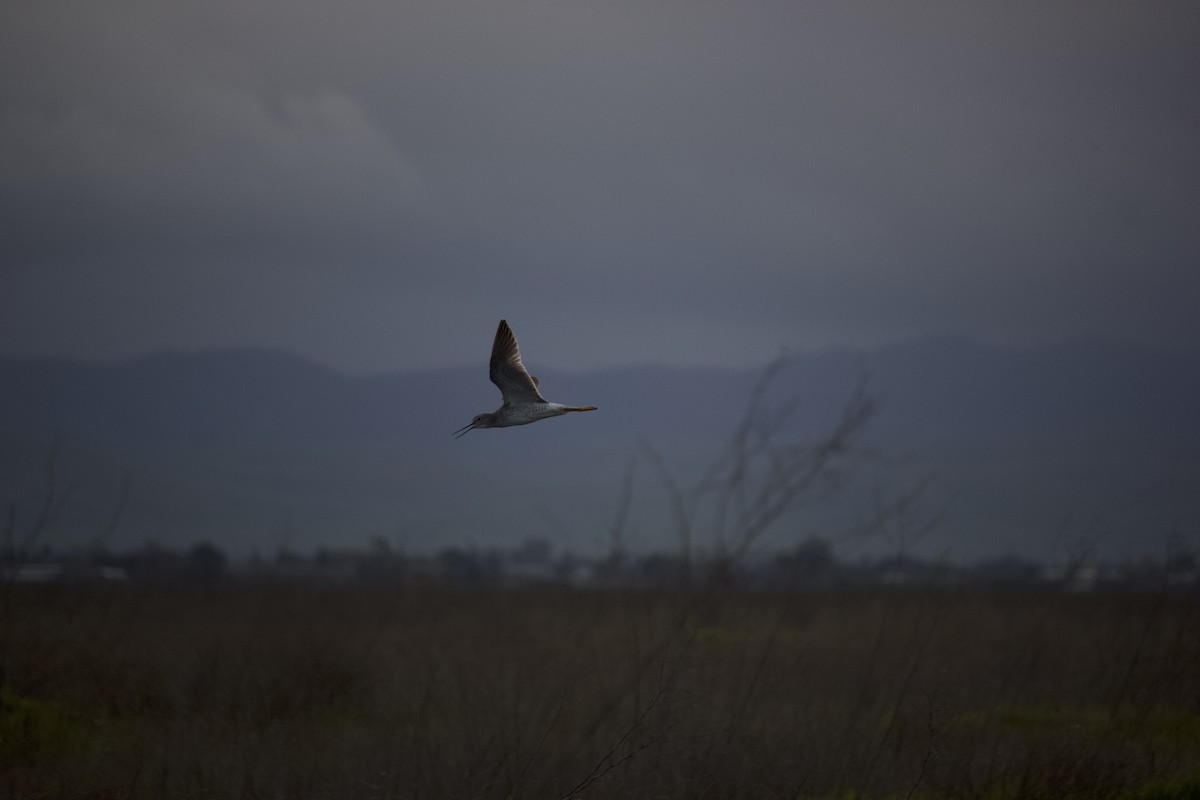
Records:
x=308, y=691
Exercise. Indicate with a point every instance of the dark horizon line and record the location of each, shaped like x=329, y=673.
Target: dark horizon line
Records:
x=834, y=350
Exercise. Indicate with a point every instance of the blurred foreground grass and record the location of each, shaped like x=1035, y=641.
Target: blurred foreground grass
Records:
x=302, y=691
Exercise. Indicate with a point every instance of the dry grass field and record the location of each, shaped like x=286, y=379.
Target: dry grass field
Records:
x=304, y=691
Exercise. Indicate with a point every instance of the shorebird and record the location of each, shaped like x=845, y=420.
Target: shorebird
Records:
x=523, y=403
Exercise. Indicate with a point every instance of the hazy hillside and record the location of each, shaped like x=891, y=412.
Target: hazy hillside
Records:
x=259, y=450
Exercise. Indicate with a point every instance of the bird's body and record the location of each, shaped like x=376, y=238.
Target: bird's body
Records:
x=523, y=402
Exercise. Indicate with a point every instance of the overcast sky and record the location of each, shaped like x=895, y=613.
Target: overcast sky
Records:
x=375, y=184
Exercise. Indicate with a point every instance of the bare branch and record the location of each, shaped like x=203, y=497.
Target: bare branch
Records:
x=122, y=502
x=52, y=501
x=679, y=509
x=758, y=476
x=616, y=531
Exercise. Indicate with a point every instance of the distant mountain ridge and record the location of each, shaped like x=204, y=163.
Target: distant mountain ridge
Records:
x=258, y=449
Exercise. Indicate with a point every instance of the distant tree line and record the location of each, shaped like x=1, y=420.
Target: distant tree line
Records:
x=811, y=565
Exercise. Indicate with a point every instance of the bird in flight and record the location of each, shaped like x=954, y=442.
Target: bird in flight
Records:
x=523, y=403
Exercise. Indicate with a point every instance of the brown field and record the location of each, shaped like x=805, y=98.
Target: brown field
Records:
x=302, y=691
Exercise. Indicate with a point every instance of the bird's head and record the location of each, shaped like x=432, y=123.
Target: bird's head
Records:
x=484, y=420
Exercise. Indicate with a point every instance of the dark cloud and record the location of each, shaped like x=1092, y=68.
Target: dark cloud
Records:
x=375, y=184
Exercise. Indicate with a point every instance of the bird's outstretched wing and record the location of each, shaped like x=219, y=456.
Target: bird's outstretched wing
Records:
x=507, y=371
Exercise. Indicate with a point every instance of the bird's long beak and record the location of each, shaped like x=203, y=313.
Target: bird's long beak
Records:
x=464, y=430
